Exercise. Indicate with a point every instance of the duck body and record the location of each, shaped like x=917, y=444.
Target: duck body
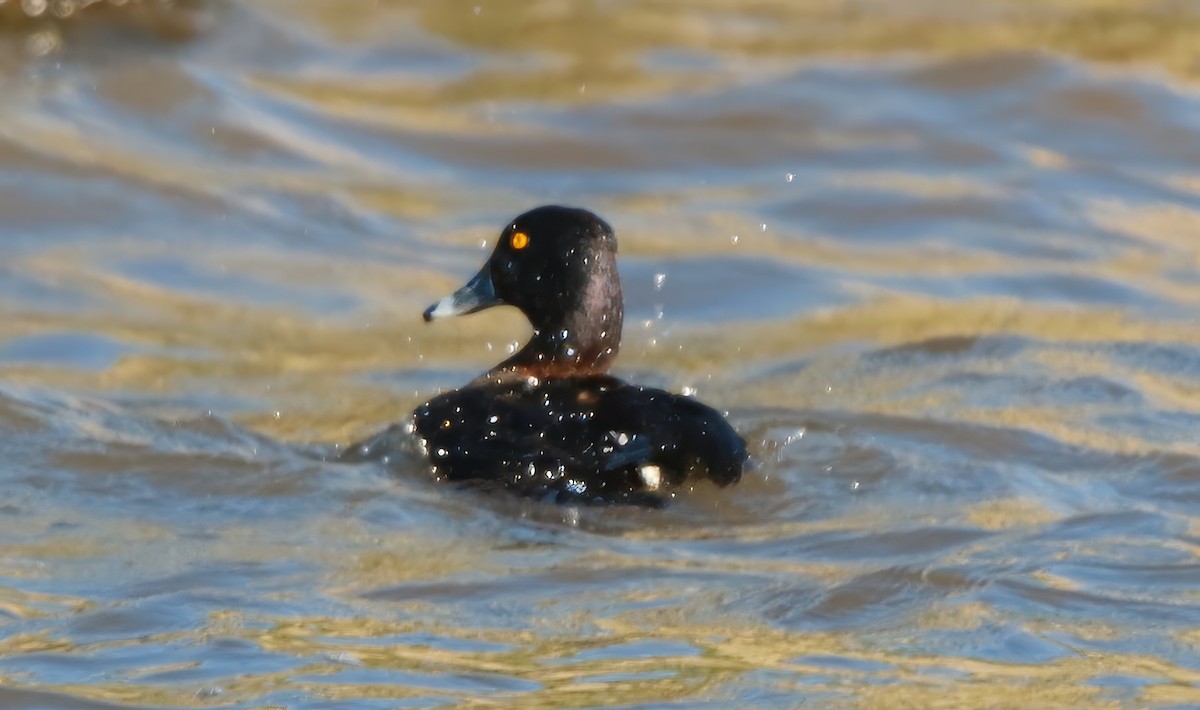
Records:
x=578, y=440
x=550, y=422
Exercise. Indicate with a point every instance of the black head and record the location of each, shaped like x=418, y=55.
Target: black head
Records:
x=558, y=266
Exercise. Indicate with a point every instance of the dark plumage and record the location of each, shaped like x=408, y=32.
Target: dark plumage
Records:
x=549, y=422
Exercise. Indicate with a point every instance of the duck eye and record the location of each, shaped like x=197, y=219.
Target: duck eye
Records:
x=519, y=240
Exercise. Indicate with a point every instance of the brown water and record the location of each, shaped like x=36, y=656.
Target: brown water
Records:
x=940, y=261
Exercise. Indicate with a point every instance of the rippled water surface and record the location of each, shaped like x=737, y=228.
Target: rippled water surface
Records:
x=940, y=262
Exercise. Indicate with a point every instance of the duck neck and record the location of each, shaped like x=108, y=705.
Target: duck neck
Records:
x=577, y=339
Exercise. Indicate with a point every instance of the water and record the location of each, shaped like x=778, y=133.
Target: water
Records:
x=941, y=263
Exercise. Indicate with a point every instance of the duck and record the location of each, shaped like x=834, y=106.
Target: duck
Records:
x=550, y=422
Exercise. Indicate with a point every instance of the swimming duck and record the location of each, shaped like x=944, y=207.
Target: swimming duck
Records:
x=550, y=422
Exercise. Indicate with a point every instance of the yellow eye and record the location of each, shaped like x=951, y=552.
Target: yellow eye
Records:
x=519, y=240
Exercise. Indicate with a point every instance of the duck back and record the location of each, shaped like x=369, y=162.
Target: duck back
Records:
x=592, y=440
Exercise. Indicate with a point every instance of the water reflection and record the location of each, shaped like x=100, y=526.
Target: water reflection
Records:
x=942, y=268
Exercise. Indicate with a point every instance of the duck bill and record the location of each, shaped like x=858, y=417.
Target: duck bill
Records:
x=476, y=295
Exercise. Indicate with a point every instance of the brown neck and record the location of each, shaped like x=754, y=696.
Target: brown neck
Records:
x=550, y=357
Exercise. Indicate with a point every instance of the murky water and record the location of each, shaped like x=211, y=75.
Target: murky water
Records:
x=940, y=261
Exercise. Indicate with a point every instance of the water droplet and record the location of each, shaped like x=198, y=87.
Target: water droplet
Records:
x=278, y=415
x=571, y=515
x=735, y=239
x=651, y=476
x=762, y=227
x=790, y=176
x=493, y=419
x=33, y=8
x=658, y=281
x=42, y=43
x=689, y=391
x=512, y=347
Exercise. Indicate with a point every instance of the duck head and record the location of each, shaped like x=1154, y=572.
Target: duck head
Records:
x=558, y=265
